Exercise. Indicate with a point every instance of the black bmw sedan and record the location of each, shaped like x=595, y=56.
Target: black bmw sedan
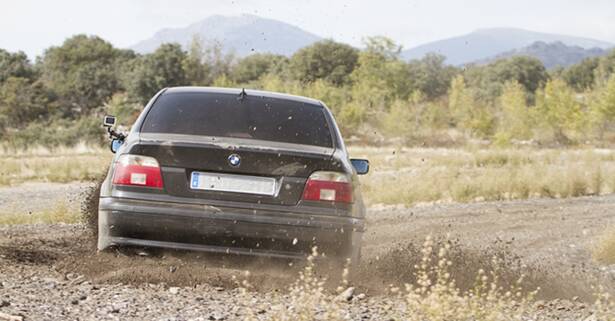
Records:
x=233, y=171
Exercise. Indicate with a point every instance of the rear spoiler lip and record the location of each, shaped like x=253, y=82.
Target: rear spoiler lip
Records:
x=233, y=143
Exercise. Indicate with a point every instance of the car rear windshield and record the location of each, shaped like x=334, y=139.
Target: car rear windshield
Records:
x=224, y=115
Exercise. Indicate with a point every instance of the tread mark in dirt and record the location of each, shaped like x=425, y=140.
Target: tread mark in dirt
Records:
x=23, y=256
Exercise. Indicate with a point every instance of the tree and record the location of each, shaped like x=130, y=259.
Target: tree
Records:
x=123, y=108
x=558, y=111
x=430, y=75
x=155, y=71
x=217, y=61
x=468, y=113
x=223, y=81
x=605, y=68
x=379, y=79
x=515, y=120
x=380, y=76
x=381, y=63
x=581, y=76
x=195, y=71
x=206, y=61
x=489, y=80
x=326, y=59
x=83, y=72
x=602, y=107
x=404, y=118
x=370, y=90
x=255, y=66
x=21, y=102
x=460, y=102
x=381, y=46
x=527, y=71
x=15, y=65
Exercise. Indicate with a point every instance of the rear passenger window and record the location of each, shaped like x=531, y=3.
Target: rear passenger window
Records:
x=223, y=115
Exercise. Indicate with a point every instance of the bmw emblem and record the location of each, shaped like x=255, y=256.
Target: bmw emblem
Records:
x=234, y=160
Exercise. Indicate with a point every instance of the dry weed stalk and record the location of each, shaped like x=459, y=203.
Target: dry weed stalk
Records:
x=437, y=298
x=434, y=297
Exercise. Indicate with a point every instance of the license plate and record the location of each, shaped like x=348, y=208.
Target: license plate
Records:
x=233, y=183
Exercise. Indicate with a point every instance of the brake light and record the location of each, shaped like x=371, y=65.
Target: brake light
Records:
x=137, y=170
x=328, y=186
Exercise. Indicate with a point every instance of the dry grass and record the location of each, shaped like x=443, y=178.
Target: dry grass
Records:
x=436, y=296
x=59, y=213
x=307, y=299
x=604, y=250
x=433, y=297
x=61, y=165
x=411, y=176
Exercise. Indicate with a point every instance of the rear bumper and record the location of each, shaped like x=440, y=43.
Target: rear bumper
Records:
x=226, y=229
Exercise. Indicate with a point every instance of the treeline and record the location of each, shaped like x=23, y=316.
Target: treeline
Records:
x=59, y=99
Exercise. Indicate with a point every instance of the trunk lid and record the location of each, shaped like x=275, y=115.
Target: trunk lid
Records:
x=181, y=155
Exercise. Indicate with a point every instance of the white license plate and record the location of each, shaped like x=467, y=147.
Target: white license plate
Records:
x=233, y=183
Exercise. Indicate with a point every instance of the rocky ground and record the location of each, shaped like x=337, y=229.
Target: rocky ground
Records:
x=52, y=272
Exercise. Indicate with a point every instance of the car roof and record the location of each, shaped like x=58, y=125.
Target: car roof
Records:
x=237, y=91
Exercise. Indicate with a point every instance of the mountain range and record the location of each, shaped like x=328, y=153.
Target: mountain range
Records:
x=244, y=34
x=247, y=34
x=486, y=43
x=552, y=54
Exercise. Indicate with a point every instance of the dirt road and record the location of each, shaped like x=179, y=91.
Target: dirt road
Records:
x=52, y=271
x=33, y=197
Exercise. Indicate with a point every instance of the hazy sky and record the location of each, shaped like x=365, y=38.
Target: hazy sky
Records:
x=32, y=26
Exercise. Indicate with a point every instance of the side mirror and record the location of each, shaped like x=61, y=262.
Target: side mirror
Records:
x=116, y=144
x=109, y=121
x=360, y=165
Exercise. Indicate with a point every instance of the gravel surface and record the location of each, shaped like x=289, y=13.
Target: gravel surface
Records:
x=52, y=272
x=35, y=197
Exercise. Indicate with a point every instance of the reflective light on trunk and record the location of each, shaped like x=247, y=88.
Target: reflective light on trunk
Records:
x=137, y=170
x=328, y=186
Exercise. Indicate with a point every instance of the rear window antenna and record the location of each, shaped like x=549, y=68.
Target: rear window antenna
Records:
x=242, y=94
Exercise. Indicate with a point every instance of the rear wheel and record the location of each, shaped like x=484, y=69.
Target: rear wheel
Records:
x=346, y=253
